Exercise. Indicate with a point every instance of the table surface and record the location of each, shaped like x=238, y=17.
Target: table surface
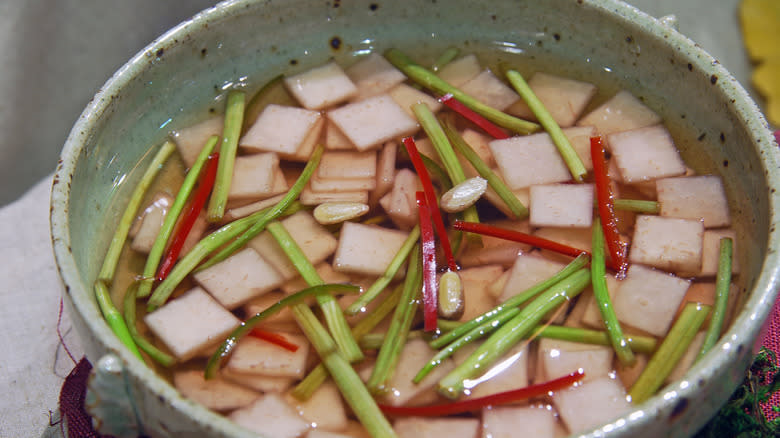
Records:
x=56, y=56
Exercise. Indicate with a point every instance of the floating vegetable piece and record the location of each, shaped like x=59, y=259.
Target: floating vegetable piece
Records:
x=486, y=125
x=428, y=263
x=336, y=212
x=451, y=298
x=463, y=195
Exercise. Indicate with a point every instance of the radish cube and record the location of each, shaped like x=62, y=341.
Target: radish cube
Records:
x=646, y=153
x=190, y=140
x=239, y=278
x=254, y=176
x=564, y=98
x=461, y=70
x=321, y=87
x=710, y=252
x=270, y=416
x=667, y=243
x=324, y=409
x=257, y=356
x=694, y=197
x=217, y=394
x=648, y=299
x=372, y=121
x=562, y=205
x=316, y=242
x=416, y=427
x=324, y=270
x=319, y=184
x=317, y=433
x=245, y=210
x=310, y=197
x=559, y=358
x=280, y=129
x=528, y=270
x=310, y=141
x=335, y=139
x=400, y=204
x=373, y=75
x=480, y=143
x=258, y=382
x=263, y=302
x=366, y=249
x=591, y=316
x=475, y=283
x=191, y=323
x=506, y=421
x=529, y=160
x=406, y=96
x=150, y=223
x=490, y=90
x=494, y=250
x=580, y=238
x=385, y=171
x=620, y=113
x=347, y=165
x=579, y=137
x=591, y=404
x=414, y=355
x=508, y=373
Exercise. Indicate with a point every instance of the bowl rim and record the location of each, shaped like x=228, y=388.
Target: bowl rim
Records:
x=763, y=292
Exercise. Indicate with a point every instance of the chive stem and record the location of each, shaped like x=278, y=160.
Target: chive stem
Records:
x=722, y=285
x=445, y=58
x=637, y=206
x=429, y=80
x=569, y=155
x=453, y=384
x=670, y=351
x=392, y=269
x=163, y=236
x=114, y=318
x=598, y=271
x=129, y=305
x=334, y=317
x=234, y=118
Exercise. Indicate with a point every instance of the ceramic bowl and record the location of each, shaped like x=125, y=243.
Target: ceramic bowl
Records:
x=189, y=66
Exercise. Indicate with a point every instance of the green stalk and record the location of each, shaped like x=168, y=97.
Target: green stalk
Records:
x=389, y=353
x=227, y=346
x=373, y=341
x=568, y=153
x=437, y=173
x=275, y=211
x=155, y=353
x=446, y=325
x=669, y=352
x=503, y=339
x=155, y=254
x=319, y=374
x=637, y=206
x=429, y=80
x=598, y=273
x=392, y=269
x=445, y=58
x=443, y=147
x=108, y=269
x=578, y=263
x=722, y=285
x=111, y=259
x=515, y=206
x=639, y=343
x=234, y=118
x=334, y=317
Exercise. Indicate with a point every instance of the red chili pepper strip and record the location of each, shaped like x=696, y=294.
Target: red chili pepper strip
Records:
x=518, y=236
x=430, y=196
x=486, y=125
x=491, y=400
x=274, y=338
x=188, y=220
x=606, y=208
x=428, y=264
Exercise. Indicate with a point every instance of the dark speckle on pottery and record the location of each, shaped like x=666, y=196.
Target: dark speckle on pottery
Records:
x=679, y=409
x=335, y=43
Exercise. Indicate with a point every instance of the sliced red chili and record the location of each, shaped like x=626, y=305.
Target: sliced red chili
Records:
x=428, y=263
x=518, y=236
x=484, y=124
x=274, y=338
x=606, y=208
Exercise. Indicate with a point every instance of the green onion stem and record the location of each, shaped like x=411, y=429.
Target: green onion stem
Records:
x=155, y=254
x=373, y=341
x=273, y=213
x=670, y=351
x=155, y=353
x=722, y=285
x=400, y=324
x=639, y=343
x=227, y=346
x=429, y=80
x=452, y=385
x=445, y=58
x=334, y=317
x=578, y=263
x=234, y=118
x=108, y=269
x=515, y=206
x=598, y=273
x=392, y=269
x=565, y=148
x=637, y=206
x=304, y=390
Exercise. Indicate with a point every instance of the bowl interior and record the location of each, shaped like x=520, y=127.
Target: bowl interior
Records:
x=183, y=75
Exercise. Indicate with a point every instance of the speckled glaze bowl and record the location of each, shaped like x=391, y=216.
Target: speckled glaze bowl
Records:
x=191, y=64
